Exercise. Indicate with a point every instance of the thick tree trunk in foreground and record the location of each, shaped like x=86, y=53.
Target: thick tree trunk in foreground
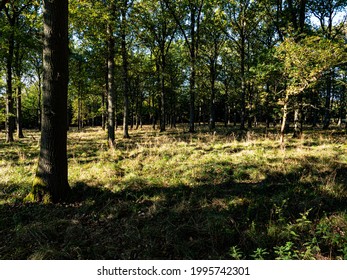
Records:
x=51, y=181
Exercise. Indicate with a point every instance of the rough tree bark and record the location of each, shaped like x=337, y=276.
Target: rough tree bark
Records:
x=51, y=180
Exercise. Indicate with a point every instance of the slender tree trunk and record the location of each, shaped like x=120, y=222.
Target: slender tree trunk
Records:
x=251, y=110
x=297, y=130
x=79, y=111
x=19, y=113
x=163, y=91
x=243, y=80
x=234, y=114
x=192, y=96
x=111, y=88
x=284, y=120
x=39, y=108
x=79, y=98
x=103, y=104
x=227, y=105
x=193, y=56
x=9, y=100
x=302, y=15
x=342, y=109
x=51, y=181
x=18, y=73
x=125, y=75
x=298, y=119
x=326, y=120
x=212, y=121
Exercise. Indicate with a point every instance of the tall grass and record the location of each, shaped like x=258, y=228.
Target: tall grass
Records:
x=176, y=195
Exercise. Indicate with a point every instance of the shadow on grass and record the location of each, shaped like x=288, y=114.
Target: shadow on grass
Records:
x=156, y=222
x=145, y=220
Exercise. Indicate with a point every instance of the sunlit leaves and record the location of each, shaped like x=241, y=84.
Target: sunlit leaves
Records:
x=305, y=61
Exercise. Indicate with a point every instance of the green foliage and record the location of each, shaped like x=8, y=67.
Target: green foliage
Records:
x=286, y=252
x=235, y=253
x=304, y=61
x=260, y=254
x=30, y=107
x=2, y=109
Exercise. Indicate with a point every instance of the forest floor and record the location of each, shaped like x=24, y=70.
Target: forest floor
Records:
x=176, y=195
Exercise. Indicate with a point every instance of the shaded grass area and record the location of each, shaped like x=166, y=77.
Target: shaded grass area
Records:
x=176, y=195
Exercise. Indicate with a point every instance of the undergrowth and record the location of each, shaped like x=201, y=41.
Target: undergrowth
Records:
x=176, y=195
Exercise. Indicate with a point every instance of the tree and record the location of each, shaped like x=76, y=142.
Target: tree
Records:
x=124, y=28
x=213, y=39
x=16, y=28
x=12, y=12
x=243, y=21
x=111, y=94
x=97, y=50
x=51, y=180
x=326, y=11
x=188, y=16
x=155, y=18
x=303, y=63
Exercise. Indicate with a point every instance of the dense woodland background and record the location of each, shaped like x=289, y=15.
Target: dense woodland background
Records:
x=197, y=129
x=167, y=62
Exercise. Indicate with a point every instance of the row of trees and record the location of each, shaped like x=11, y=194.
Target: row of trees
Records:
x=189, y=60
x=203, y=61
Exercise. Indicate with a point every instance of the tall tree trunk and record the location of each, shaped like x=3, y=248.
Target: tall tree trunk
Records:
x=39, y=108
x=103, y=104
x=227, y=119
x=297, y=130
x=243, y=79
x=302, y=15
x=284, y=120
x=9, y=100
x=111, y=88
x=125, y=72
x=342, y=109
x=79, y=110
x=298, y=118
x=314, y=99
x=192, y=96
x=163, y=93
x=19, y=113
x=51, y=181
x=212, y=121
x=326, y=119
x=18, y=73
x=193, y=57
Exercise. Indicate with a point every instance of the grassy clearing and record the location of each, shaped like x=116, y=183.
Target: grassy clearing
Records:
x=181, y=196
